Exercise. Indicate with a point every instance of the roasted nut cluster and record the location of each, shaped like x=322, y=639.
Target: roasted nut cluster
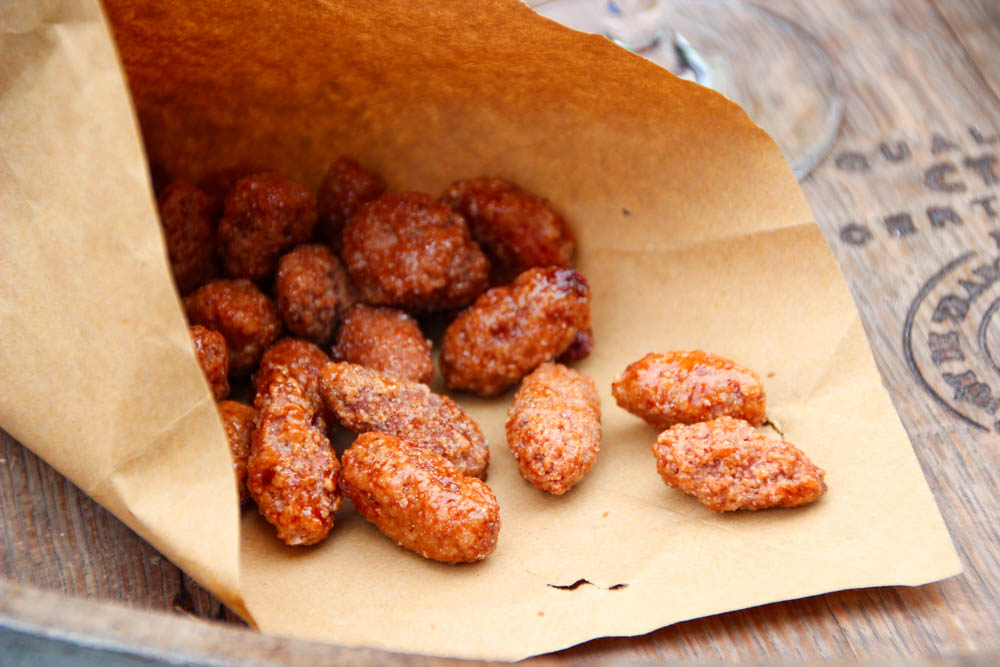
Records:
x=342, y=276
x=347, y=276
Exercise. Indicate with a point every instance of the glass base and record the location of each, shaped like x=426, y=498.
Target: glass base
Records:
x=768, y=65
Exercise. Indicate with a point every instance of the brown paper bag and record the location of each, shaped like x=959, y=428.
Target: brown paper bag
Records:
x=691, y=229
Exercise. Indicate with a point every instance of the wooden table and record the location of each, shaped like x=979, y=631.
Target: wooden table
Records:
x=910, y=202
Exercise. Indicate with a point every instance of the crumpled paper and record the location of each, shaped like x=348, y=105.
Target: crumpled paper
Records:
x=692, y=232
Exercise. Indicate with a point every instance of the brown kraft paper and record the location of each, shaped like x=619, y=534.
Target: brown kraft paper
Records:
x=692, y=232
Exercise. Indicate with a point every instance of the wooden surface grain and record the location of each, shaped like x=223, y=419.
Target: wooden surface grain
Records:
x=909, y=201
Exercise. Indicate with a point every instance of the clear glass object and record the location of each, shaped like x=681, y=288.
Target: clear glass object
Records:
x=770, y=66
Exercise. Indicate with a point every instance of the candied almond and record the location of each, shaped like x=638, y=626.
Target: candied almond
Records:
x=346, y=186
x=265, y=214
x=292, y=471
x=304, y=362
x=554, y=427
x=238, y=421
x=517, y=229
x=368, y=400
x=213, y=356
x=244, y=315
x=688, y=387
x=410, y=251
x=189, y=232
x=419, y=500
x=313, y=292
x=512, y=329
x=385, y=339
x=728, y=465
